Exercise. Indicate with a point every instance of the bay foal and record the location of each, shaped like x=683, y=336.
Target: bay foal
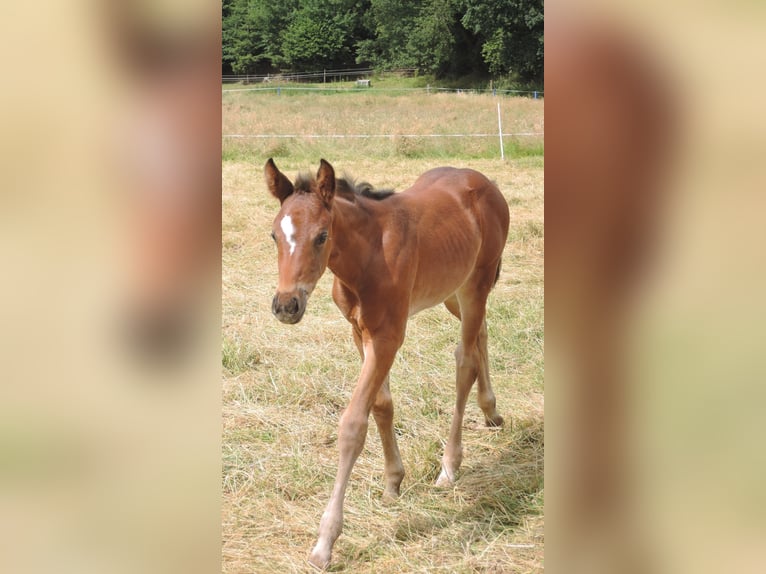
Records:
x=392, y=255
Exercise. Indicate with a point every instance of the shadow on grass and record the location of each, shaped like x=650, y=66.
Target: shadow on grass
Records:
x=496, y=492
x=497, y=488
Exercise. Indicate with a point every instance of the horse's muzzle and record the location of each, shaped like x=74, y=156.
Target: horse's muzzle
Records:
x=289, y=307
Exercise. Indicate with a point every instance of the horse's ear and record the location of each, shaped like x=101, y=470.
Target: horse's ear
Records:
x=326, y=182
x=279, y=186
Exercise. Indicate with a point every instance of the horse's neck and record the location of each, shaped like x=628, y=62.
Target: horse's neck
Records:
x=352, y=234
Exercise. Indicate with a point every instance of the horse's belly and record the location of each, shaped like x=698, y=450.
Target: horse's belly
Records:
x=420, y=304
x=433, y=290
x=448, y=246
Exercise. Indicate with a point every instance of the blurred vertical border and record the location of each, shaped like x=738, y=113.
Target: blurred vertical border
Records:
x=655, y=276
x=110, y=291
x=110, y=307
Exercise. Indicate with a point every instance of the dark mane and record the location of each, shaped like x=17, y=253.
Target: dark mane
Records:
x=346, y=187
x=303, y=183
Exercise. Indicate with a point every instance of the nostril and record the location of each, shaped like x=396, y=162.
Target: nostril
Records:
x=292, y=306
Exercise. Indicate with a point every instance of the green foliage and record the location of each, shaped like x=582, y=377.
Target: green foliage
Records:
x=501, y=38
x=427, y=35
x=433, y=41
x=319, y=35
x=252, y=31
x=391, y=23
x=511, y=33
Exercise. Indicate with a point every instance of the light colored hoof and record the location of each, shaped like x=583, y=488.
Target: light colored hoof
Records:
x=319, y=559
x=389, y=497
x=445, y=480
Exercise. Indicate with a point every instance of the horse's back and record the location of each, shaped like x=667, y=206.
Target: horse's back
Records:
x=465, y=187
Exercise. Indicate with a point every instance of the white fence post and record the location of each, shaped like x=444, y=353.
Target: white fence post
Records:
x=500, y=131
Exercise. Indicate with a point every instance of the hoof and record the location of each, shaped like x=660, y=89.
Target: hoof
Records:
x=494, y=421
x=445, y=480
x=319, y=560
x=389, y=496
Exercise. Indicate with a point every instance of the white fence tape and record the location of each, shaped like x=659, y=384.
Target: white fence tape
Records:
x=340, y=136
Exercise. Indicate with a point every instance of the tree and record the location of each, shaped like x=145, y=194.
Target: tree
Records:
x=424, y=34
x=238, y=38
x=433, y=42
x=251, y=32
x=322, y=33
x=391, y=24
x=512, y=35
x=440, y=37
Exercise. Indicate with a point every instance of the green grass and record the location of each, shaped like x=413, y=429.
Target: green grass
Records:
x=284, y=387
x=386, y=82
x=391, y=82
x=237, y=356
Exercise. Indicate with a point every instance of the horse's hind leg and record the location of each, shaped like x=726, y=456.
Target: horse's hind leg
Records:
x=485, y=394
x=472, y=364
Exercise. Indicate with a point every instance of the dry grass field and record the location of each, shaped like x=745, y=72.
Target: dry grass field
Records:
x=284, y=387
x=376, y=114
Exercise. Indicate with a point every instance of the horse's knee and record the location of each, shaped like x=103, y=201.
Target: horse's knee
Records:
x=463, y=357
x=466, y=359
x=352, y=431
x=383, y=408
x=352, y=425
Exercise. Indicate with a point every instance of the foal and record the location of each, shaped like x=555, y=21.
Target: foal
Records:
x=392, y=255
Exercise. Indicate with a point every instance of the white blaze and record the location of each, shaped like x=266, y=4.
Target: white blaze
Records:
x=287, y=228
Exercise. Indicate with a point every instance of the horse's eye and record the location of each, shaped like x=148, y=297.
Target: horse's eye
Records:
x=274, y=237
x=321, y=238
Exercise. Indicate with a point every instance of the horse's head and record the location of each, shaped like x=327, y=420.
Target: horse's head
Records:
x=302, y=232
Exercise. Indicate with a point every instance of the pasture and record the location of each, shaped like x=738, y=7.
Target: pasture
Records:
x=432, y=119
x=284, y=387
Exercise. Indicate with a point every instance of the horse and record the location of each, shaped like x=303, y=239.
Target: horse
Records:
x=392, y=255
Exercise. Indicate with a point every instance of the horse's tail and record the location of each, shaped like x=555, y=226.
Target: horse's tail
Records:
x=497, y=273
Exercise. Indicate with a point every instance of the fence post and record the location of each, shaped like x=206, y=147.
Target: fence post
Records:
x=500, y=132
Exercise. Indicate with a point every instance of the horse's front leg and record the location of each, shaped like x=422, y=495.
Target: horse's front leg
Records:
x=383, y=412
x=379, y=355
